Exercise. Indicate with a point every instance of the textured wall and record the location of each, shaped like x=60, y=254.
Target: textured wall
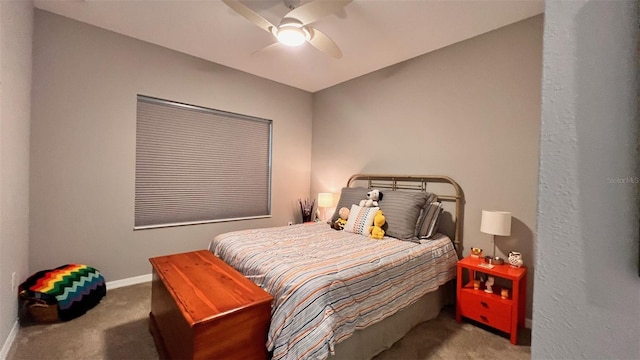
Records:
x=587, y=290
x=16, y=22
x=470, y=111
x=83, y=143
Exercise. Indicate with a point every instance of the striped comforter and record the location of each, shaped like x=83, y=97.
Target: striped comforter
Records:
x=327, y=284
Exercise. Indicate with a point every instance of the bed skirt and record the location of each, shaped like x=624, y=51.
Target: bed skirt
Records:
x=367, y=343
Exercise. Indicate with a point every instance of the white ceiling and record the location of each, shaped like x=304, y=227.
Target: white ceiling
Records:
x=372, y=34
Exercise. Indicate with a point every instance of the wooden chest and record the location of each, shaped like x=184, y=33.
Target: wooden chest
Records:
x=202, y=308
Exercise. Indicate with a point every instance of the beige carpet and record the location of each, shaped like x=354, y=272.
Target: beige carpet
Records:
x=117, y=329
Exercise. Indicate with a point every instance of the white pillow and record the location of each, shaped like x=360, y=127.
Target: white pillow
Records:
x=360, y=219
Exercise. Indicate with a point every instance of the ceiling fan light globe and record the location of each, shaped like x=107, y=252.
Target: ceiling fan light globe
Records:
x=292, y=36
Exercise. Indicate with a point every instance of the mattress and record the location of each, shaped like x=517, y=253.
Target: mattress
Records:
x=327, y=284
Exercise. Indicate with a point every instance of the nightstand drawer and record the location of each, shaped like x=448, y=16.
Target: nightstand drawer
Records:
x=482, y=308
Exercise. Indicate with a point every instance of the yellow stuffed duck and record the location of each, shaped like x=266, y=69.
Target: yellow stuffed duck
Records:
x=376, y=231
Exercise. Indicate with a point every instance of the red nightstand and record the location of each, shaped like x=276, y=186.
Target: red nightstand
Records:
x=506, y=315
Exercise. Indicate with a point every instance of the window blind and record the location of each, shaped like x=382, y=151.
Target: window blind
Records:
x=199, y=165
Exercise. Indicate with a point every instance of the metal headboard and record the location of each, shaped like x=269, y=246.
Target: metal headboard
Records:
x=420, y=183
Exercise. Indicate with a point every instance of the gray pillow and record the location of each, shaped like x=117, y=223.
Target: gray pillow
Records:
x=428, y=224
x=348, y=197
x=431, y=197
x=401, y=210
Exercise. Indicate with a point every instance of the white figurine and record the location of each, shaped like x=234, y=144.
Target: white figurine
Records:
x=515, y=259
x=488, y=284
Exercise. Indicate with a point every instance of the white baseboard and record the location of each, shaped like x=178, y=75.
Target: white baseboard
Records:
x=7, y=344
x=528, y=323
x=128, y=281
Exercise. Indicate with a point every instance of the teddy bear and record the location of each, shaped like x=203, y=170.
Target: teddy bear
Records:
x=342, y=220
x=372, y=199
x=376, y=231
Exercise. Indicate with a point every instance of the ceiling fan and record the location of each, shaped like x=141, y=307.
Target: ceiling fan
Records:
x=294, y=28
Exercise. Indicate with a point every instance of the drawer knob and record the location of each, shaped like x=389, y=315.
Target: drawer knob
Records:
x=484, y=318
x=484, y=304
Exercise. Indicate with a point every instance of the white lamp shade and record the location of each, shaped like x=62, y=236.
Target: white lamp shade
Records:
x=325, y=200
x=496, y=222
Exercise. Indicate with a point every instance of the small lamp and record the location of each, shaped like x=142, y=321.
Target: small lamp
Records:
x=495, y=223
x=325, y=200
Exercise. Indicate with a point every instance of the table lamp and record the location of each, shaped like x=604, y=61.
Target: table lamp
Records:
x=325, y=200
x=495, y=223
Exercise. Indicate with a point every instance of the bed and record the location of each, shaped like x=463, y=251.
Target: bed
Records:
x=341, y=294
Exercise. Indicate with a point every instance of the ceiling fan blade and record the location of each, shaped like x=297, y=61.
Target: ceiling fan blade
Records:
x=250, y=15
x=323, y=43
x=316, y=9
x=267, y=49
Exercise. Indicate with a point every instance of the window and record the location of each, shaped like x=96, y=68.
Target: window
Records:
x=197, y=165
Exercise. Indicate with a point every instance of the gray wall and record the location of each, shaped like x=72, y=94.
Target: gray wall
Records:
x=470, y=111
x=587, y=289
x=486, y=89
x=83, y=143
x=16, y=24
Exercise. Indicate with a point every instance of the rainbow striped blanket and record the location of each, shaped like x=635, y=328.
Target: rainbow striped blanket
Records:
x=74, y=288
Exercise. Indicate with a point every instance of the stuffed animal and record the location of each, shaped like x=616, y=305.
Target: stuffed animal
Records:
x=376, y=231
x=342, y=220
x=372, y=199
